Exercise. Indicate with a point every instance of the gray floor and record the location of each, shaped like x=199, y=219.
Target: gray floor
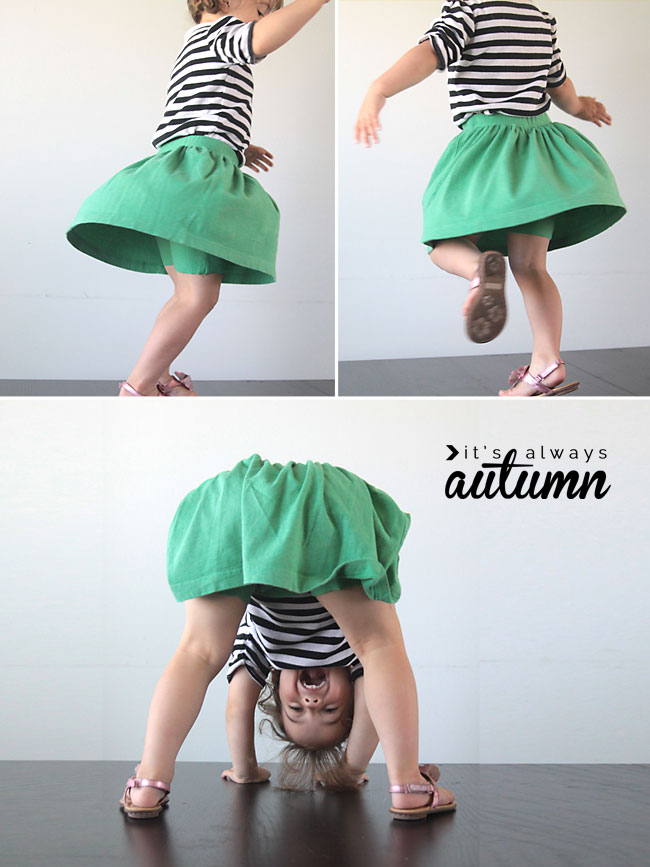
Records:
x=109, y=388
x=601, y=373
x=57, y=814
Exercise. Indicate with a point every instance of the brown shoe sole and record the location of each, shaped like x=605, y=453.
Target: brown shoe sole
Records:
x=487, y=315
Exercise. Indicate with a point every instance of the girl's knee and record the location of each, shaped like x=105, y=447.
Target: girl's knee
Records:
x=527, y=256
x=528, y=270
x=204, y=650
x=200, y=296
x=527, y=265
x=377, y=643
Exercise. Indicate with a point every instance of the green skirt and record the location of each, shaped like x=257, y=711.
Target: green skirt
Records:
x=191, y=192
x=501, y=172
x=297, y=528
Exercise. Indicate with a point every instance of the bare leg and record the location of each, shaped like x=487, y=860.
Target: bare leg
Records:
x=210, y=627
x=458, y=256
x=527, y=254
x=373, y=631
x=194, y=297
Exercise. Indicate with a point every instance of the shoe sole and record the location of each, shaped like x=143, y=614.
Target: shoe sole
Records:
x=487, y=315
x=415, y=814
x=559, y=390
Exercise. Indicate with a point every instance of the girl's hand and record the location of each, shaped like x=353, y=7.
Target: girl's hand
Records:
x=257, y=158
x=592, y=110
x=259, y=775
x=367, y=125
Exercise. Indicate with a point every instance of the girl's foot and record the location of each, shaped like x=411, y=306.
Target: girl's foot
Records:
x=178, y=385
x=402, y=802
x=144, y=802
x=127, y=390
x=536, y=378
x=418, y=805
x=145, y=796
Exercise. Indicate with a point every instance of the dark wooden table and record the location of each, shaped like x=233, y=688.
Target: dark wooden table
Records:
x=65, y=814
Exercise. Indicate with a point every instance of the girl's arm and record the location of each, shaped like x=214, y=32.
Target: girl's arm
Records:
x=362, y=740
x=274, y=30
x=416, y=65
x=583, y=107
x=243, y=693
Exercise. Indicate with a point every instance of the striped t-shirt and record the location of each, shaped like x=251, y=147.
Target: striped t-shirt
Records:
x=500, y=57
x=289, y=632
x=211, y=87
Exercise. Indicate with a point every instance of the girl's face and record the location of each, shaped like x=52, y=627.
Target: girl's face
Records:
x=317, y=705
x=244, y=10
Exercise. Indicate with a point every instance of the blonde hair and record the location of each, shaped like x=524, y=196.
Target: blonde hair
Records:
x=198, y=7
x=302, y=768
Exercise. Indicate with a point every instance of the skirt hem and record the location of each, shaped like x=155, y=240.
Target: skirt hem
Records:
x=374, y=580
x=526, y=215
x=222, y=251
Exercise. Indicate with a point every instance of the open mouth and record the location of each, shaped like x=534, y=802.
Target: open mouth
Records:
x=312, y=678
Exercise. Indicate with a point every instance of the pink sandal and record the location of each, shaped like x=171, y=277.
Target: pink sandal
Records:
x=133, y=392
x=134, y=812
x=430, y=773
x=178, y=379
x=487, y=314
x=522, y=374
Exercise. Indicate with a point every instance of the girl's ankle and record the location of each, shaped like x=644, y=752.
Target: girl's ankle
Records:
x=143, y=388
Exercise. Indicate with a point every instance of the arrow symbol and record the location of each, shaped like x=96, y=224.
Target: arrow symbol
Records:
x=453, y=451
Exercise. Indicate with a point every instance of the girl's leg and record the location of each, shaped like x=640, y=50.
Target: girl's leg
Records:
x=210, y=628
x=373, y=631
x=194, y=297
x=527, y=254
x=458, y=256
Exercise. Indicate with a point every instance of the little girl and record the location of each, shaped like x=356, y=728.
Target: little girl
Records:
x=274, y=530
x=315, y=708
x=512, y=182
x=189, y=210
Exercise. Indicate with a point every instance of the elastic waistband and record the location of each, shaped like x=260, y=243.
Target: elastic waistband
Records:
x=478, y=119
x=202, y=141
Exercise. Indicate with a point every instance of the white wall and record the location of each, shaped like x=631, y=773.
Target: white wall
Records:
x=526, y=623
x=85, y=90
x=393, y=303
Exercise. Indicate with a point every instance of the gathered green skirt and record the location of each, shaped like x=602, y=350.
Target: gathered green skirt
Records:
x=189, y=199
x=501, y=172
x=297, y=528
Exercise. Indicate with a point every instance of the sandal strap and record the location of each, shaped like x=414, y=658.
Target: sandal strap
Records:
x=417, y=789
x=139, y=782
x=413, y=789
x=517, y=375
x=179, y=378
x=523, y=374
x=130, y=390
x=536, y=379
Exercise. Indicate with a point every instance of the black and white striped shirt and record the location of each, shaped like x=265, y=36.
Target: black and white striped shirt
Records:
x=289, y=632
x=501, y=57
x=211, y=87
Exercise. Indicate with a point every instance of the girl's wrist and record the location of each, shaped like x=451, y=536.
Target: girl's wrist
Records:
x=246, y=771
x=376, y=89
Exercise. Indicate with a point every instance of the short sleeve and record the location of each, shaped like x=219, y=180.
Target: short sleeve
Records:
x=232, y=40
x=450, y=33
x=557, y=73
x=246, y=651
